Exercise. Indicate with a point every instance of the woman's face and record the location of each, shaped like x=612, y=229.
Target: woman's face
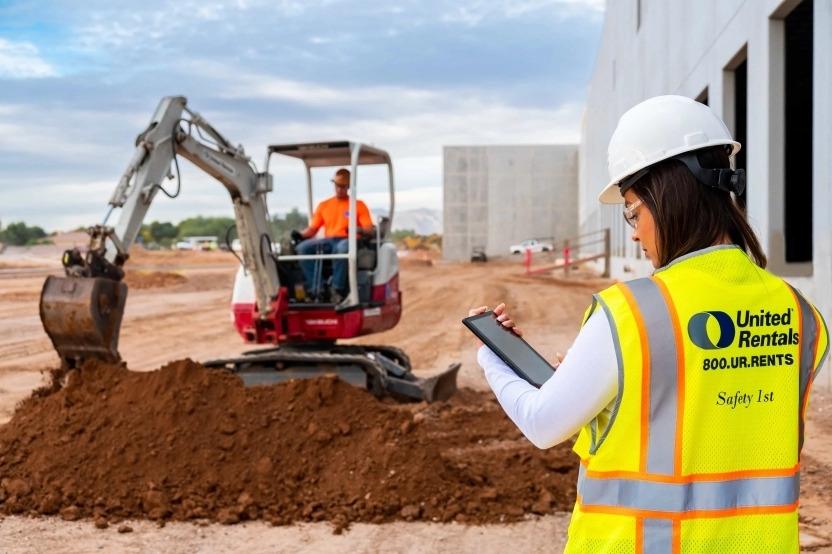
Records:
x=644, y=230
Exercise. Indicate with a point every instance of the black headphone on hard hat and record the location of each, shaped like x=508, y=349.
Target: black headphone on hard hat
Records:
x=729, y=180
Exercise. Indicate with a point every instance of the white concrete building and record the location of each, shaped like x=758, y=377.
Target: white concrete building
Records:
x=496, y=196
x=764, y=66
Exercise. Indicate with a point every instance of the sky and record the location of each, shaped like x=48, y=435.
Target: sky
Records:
x=79, y=81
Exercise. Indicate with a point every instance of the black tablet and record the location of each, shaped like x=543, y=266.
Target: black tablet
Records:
x=512, y=349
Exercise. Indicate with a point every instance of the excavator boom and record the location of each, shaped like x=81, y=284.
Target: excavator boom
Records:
x=82, y=311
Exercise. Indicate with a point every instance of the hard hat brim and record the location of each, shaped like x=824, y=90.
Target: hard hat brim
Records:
x=611, y=193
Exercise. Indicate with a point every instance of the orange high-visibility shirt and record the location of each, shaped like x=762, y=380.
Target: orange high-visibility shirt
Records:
x=333, y=215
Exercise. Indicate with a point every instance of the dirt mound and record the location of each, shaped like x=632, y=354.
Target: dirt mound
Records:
x=185, y=442
x=153, y=279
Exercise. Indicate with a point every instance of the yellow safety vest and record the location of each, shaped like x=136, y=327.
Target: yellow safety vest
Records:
x=700, y=450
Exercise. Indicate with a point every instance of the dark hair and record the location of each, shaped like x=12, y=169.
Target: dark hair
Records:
x=342, y=172
x=690, y=216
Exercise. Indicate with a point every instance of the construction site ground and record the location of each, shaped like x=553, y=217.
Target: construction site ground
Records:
x=178, y=307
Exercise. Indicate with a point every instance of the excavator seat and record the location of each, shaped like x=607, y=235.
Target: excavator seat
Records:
x=290, y=274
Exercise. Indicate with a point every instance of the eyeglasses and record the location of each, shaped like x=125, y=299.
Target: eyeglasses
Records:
x=339, y=185
x=630, y=215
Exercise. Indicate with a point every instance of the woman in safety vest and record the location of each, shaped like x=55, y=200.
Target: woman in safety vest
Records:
x=689, y=388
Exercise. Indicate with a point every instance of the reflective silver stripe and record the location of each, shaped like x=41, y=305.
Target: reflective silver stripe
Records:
x=663, y=386
x=658, y=536
x=675, y=498
x=808, y=337
x=594, y=446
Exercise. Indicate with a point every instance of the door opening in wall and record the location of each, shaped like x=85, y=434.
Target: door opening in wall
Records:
x=741, y=122
x=798, y=143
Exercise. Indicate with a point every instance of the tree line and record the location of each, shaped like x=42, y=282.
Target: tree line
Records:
x=20, y=234
x=165, y=233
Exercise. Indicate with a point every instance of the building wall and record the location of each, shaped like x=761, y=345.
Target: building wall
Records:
x=496, y=196
x=652, y=47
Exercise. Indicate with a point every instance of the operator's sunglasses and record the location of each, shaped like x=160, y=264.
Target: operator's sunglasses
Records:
x=339, y=185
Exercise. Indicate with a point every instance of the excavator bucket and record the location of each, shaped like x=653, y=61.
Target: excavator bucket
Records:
x=82, y=316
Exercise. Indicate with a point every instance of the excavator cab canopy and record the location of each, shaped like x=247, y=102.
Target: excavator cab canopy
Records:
x=329, y=154
x=337, y=153
x=340, y=153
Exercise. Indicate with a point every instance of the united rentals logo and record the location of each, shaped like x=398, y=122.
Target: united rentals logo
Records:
x=698, y=330
x=749, y=330
x=755, y=329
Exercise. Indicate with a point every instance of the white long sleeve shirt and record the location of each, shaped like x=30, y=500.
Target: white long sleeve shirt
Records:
x=585, y=384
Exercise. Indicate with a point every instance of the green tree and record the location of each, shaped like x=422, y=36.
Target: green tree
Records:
x=160, y=231
x=204, y=226
x=20, y=234
x=283, y=227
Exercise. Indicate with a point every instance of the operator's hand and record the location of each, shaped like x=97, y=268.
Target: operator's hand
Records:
x=297, y=236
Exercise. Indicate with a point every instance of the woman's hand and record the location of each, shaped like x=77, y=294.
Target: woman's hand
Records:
x=501, y=315
x=507, y=322
x=477, y=311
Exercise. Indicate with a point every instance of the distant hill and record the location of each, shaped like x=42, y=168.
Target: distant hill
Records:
x=423, y=221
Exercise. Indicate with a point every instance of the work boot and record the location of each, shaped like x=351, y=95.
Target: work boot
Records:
x=335, y=296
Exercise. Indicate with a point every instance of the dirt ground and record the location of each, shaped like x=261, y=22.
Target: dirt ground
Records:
x=172, y=318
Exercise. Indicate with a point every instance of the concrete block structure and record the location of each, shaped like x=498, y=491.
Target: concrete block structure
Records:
x=496, y=196
x=766, y=68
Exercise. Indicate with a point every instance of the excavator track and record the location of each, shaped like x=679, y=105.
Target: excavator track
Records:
x=393, y=352
x=375, y=368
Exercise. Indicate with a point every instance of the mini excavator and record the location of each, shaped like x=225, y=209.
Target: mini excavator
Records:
x=82, y=311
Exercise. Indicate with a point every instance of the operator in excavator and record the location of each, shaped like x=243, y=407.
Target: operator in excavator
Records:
x=333, y=215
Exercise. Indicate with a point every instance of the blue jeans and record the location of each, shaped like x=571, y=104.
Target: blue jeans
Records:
x=311, y=268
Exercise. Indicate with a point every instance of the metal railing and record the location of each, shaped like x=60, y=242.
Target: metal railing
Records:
x=572, y=254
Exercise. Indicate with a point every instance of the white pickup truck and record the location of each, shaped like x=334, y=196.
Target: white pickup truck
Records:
x=532, y=244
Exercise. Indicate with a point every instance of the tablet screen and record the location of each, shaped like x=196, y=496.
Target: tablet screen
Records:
x=513, y=350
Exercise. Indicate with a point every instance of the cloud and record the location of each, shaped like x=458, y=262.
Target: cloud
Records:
x=413, y=124
x=421, y=197
x=415, y=120
x=210, y=12
x=21, y=60
x=271, y=71
x=156, y=25
x=475, y=12
x=264, y=86
x=63, y=134
x=414, y=133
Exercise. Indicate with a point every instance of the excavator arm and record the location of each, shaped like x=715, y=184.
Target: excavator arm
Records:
x=82, y=311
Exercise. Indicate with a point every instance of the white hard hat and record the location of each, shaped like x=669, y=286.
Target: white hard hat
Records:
x=657, y=129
